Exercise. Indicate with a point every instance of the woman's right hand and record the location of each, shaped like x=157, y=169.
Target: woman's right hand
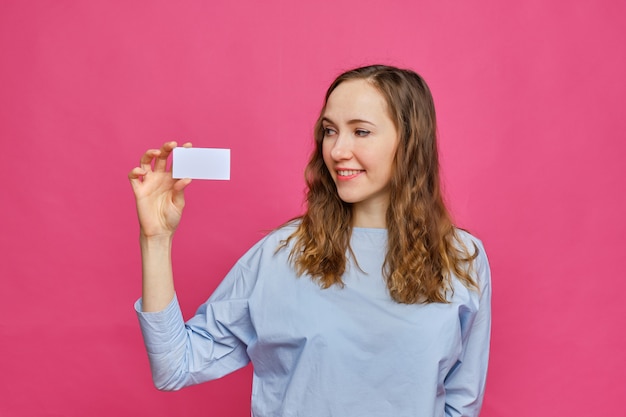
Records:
x=159, y=197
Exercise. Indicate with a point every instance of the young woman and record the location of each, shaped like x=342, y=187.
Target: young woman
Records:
x=370, y=304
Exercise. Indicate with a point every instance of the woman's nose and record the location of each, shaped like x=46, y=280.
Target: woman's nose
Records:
x=342, y=149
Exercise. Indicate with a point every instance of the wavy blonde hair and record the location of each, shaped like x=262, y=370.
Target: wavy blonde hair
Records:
x=423, y=248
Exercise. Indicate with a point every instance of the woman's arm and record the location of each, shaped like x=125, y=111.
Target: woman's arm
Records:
x=160, y=202
x=465, y=384
x=211, y=346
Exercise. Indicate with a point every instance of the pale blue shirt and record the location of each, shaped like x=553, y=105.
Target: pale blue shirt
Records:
x=341, y=352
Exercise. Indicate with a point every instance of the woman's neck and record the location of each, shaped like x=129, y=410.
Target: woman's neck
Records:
x=369, y=217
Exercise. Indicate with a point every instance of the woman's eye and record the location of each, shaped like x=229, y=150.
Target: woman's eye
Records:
x=361, y=132
x=328, y=131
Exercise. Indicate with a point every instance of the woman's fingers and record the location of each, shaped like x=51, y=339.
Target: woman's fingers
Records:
x=146, y=159
x=156, y=157
x=160, y=164
x=159, y=156
x=178, y=196
x=135, y=176
x=181, y=184
x=136, y=173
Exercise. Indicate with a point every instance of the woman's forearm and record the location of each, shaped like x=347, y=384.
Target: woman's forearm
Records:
x=158, y=280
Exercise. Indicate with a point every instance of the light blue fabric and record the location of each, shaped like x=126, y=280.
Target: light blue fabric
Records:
x=342, y=352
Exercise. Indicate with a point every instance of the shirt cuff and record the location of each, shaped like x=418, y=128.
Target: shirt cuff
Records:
x=161, y=329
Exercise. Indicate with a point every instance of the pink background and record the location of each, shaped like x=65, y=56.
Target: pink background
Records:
x=530, y=99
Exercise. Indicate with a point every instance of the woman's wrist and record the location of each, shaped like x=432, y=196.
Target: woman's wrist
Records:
x=158, y=240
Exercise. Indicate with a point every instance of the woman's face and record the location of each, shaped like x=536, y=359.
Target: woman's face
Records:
x=359, y=144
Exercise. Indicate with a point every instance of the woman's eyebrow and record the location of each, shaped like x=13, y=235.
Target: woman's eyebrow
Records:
x=350, y=122
x=359, y=121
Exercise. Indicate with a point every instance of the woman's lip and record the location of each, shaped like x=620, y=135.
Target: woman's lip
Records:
x=347, y=174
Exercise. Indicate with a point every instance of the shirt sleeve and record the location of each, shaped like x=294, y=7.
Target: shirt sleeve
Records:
x=465, y=383
x=210, y=345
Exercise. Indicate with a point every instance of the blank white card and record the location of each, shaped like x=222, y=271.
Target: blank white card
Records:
x=201, y=163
